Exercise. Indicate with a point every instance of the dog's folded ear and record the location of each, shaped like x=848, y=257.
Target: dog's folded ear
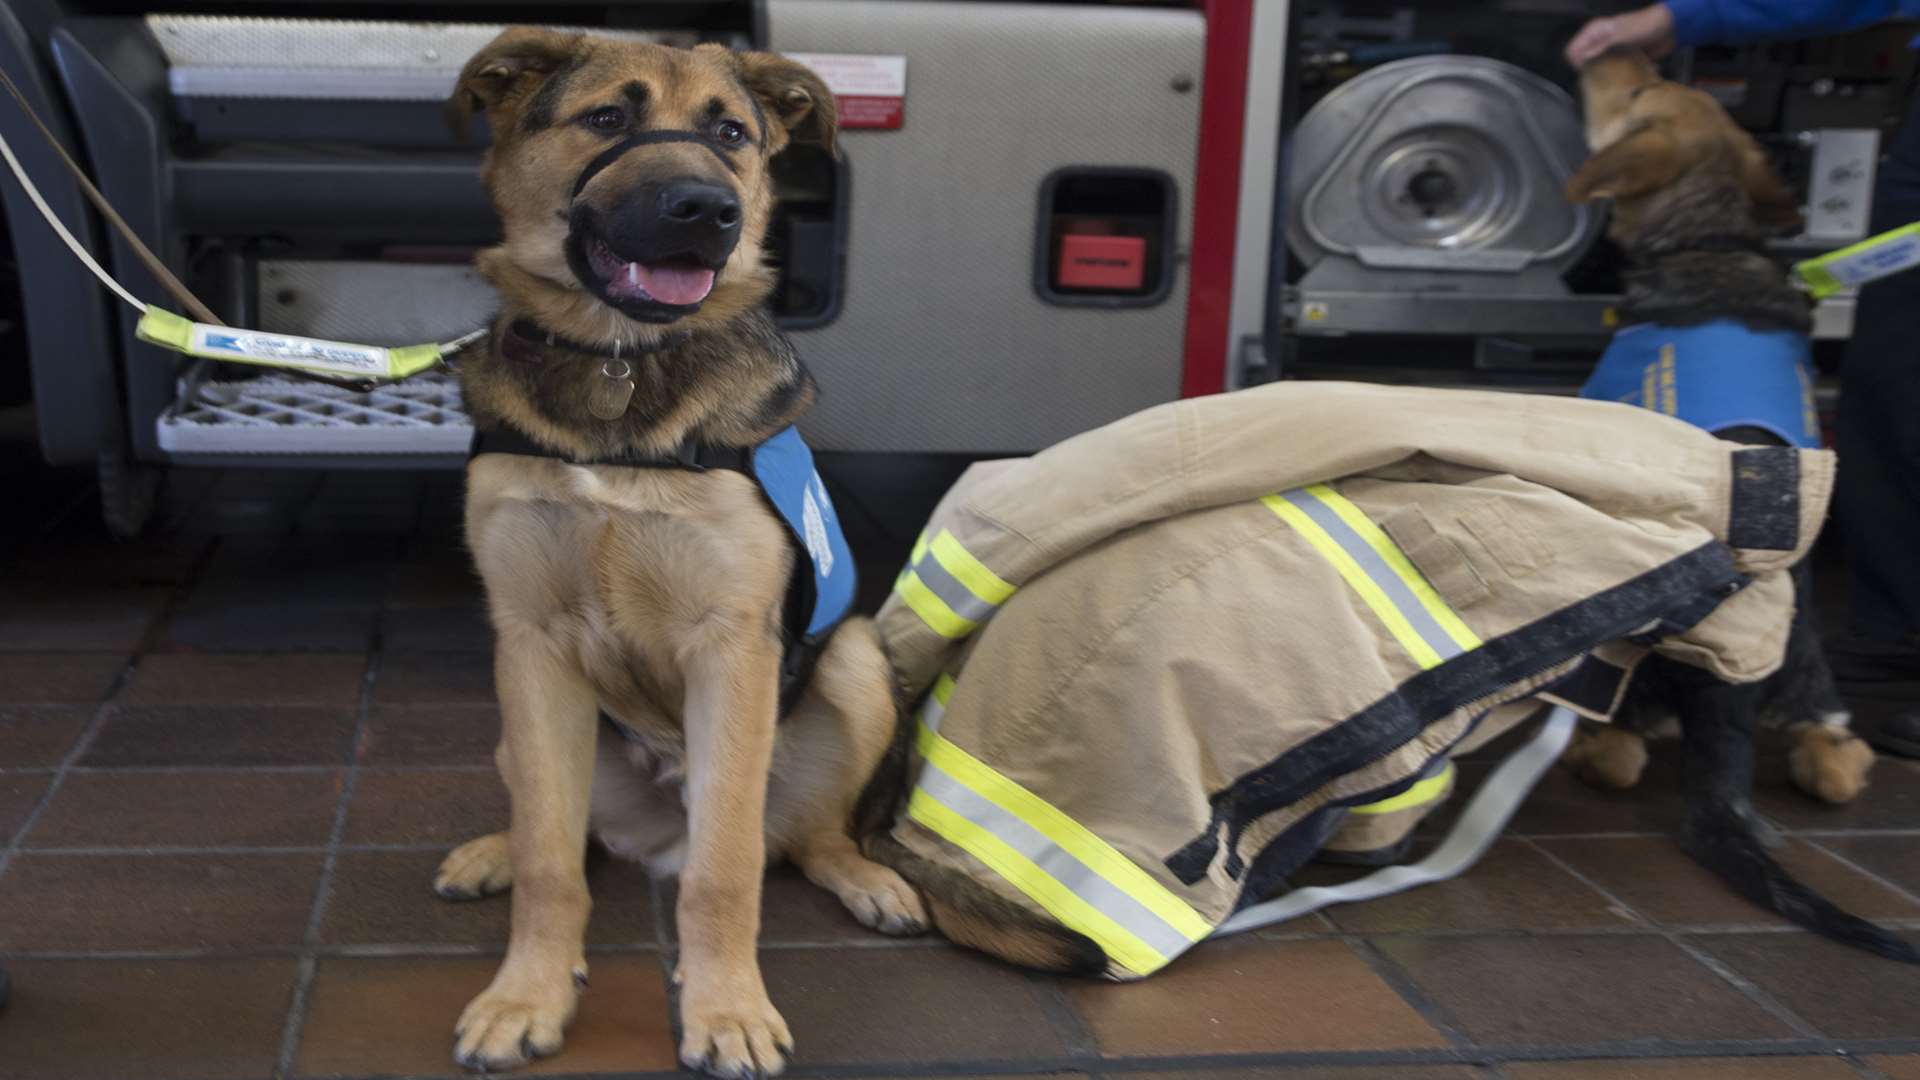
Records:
x=796, y=101
x=1645, y=159
x=507, y=69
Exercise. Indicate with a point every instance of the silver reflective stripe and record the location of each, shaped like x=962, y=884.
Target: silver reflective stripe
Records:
x=932, y=712
x=1050, y=857
x=950, y=590
x=1492, y=807
x=1377, y=571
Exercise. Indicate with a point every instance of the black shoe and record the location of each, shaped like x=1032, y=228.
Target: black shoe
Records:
x=1897, y=734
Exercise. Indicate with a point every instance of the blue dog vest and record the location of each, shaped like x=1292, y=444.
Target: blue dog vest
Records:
x=1716, y=375
x=783, y=467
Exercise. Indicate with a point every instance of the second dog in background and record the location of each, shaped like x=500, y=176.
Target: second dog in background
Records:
x=1715, y=334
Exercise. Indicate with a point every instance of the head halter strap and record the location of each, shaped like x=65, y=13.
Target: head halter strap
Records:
x=649, y=138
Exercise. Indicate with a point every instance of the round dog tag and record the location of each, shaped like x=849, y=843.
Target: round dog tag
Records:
x=612, y=390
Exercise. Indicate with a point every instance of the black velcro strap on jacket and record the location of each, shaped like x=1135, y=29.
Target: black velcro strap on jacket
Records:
x=1765, y=514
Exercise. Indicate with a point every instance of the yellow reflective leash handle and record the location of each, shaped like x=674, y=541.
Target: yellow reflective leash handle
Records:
x=292, y=352
x=1869, y=260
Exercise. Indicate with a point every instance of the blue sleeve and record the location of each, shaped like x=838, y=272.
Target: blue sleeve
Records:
x=1733, y=22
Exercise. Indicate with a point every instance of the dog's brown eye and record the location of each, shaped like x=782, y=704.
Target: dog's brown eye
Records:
x=607, y=119
x=730, y=132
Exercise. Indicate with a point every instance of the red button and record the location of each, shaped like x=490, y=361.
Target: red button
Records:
x=1111, y=263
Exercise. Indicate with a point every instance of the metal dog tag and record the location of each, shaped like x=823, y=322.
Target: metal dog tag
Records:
x=612, y=390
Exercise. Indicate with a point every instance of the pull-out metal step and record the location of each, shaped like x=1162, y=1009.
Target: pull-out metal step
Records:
x=418, y=422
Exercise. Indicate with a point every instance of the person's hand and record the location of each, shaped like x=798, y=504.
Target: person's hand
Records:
x=1650, y=28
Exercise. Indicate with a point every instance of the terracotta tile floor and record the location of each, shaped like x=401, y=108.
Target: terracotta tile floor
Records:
x=232, y=754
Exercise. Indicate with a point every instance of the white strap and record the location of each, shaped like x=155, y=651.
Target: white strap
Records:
x=1492, y=807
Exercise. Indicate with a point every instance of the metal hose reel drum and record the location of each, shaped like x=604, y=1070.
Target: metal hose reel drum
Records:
x=1437, y=174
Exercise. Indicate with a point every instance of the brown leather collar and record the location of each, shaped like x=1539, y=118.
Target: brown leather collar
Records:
x=526, y=342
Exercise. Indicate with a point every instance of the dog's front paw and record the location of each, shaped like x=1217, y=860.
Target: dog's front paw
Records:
x=1830, y=763
x=733, y=1035
x=508, y=1026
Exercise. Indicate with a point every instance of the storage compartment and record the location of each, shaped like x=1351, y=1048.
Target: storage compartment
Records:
x=1105, y=237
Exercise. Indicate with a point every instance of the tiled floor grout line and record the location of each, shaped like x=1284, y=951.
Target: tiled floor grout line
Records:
x=1081, y=1042
x=177, y=770
x=1898, y=890
x=1849, y=834
x=1767, y=1002
x=1357, y=1061
x=1402, y=982
x=84, y=741
x=323, y=891
x=316, y=849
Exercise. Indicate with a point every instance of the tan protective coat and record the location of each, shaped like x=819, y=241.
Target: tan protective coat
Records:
x=1172, y=636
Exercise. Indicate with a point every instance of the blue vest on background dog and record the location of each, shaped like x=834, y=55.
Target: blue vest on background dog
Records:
x=783, y=467
x=1716, y=375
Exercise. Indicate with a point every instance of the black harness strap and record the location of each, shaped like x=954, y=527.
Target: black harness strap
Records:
x=649, y=138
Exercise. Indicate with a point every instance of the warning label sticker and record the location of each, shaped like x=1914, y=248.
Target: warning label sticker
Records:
x=871, y=91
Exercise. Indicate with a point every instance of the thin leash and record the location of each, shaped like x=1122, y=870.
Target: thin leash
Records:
x=338, y=363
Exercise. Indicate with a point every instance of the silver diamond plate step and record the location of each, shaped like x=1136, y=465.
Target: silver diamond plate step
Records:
x=329, y=59
x=423, y=415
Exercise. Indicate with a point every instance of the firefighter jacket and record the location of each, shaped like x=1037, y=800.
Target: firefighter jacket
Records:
x=1157, y=665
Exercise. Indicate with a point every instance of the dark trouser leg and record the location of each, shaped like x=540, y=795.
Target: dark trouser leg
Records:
x=1877, y=502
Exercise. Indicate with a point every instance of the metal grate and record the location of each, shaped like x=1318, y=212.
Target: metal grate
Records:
x=423, y=415
x=330, y=59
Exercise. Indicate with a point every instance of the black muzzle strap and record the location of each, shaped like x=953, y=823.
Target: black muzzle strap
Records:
x=649, y=138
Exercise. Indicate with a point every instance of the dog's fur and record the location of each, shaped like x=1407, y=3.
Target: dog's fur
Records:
x=652, y=595
x=1689, y=188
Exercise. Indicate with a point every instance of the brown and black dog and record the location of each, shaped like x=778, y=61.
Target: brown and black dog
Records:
x=638, y=607
x=1694, y=200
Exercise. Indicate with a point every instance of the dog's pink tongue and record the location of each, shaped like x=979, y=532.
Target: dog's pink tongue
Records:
x=675, y=284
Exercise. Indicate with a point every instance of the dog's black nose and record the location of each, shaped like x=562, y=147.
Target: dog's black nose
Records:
x=690, y=203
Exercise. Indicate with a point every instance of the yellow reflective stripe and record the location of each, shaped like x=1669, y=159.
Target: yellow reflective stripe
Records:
x=1669, y=390
x=1419, y=794
x=1020, y=872
x=943, y=689
x=919, y=549
x=1356, y=579
x=1391, y=554
x=968, y=570
x=1071, y=836
x=932, y=610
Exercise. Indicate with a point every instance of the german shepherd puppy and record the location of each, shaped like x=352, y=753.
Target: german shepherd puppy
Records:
x=637, y=610
x=1694, y=199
